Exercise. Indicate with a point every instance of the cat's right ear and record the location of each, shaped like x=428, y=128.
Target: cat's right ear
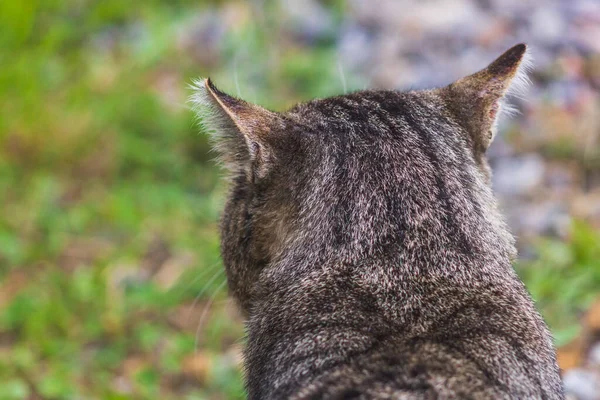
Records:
x=240, y=130
x=477, y=100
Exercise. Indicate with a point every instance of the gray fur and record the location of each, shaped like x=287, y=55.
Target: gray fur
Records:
x=363, y=243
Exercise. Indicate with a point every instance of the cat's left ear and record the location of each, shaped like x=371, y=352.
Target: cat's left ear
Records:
x=477, y=100
x=240, y=130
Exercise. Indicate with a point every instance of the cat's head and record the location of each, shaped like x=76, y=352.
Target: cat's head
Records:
x=368, y=174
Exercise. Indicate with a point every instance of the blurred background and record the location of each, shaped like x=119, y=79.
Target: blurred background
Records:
x=111, y=286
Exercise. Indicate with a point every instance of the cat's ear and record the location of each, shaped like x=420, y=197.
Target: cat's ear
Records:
x=477, y=100
x=240, y=130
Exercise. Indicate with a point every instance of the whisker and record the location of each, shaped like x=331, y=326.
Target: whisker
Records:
x=210, y=268
x=342, y=76
x=241, y=340
x=367, y=82
x=206, y=286
x=235, y=76
x=205, y=312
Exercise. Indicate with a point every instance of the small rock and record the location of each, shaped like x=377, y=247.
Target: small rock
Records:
x=518, y=175
x=202, y=38
x=356, y=47
x=561, y=179
x=584, y=384
x=308, y=20
x=571, y=355
x=534, y=219
x=586, y=206
x=171, y=270
x=547, y=24
x=197, y=366
x=594, y=355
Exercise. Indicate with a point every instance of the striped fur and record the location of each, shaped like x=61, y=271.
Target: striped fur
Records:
x=372, y=263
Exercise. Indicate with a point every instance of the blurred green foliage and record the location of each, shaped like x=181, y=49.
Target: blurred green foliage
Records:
x=564, y=279
x=102, y=173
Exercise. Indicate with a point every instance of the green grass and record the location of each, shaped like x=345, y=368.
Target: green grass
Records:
x=110, y=281
x=565, y=279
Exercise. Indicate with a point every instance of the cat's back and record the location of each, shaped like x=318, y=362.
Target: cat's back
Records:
x=441, y=340
x=430, y=369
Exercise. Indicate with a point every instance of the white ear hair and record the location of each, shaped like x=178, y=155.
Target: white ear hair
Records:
x=206, y=112
x=225, y=139
x=238, y=129
x=518, y=88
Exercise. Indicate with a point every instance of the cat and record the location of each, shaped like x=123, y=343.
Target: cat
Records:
x=363, y=244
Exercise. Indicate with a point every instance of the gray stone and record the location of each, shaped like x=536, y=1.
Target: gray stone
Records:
x=308, y=19
x=583, y=384
x=518, y=175
x=547, y=25
x=594, y=356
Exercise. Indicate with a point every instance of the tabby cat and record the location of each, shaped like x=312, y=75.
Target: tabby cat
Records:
x=363, y=244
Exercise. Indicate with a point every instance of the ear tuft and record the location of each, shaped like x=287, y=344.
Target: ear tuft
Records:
x=478, y=100
x=208, y=114
x=520, y=61
x=240, y=130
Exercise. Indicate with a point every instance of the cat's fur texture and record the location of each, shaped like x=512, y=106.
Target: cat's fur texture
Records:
x=363, y=243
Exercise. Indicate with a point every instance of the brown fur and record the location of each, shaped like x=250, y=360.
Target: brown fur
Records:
x=362, y=241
